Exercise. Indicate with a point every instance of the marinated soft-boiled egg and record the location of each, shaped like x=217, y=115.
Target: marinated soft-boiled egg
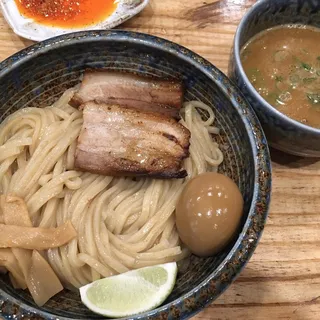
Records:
x=208, y=213
x=39, y=20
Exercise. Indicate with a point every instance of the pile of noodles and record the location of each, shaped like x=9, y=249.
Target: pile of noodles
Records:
x=121, y=223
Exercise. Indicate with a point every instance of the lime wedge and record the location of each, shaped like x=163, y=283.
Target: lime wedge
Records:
x=131, y=292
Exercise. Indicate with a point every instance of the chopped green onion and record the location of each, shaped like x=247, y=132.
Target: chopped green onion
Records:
x=278, y=78
x=309, y=80
x=318, y=58
x=314, y=98
x=273, y=98
x=305, y=66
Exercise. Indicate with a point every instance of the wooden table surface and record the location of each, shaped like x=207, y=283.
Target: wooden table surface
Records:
x=282, y=279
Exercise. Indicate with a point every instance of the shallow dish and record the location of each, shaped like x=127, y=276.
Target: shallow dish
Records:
x=29, y=29
x=39, y=74
x=282, y=132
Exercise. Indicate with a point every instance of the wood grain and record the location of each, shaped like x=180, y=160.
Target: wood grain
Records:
x=282, y=280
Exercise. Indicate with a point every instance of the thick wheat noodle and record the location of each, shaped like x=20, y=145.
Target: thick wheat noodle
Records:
x=121, y=223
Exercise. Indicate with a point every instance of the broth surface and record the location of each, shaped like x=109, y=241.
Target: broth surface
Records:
x=283, y=64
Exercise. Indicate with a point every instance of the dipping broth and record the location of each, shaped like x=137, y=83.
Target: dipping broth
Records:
x=283, y=64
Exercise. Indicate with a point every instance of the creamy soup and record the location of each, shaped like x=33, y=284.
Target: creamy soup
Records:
x=283, y=64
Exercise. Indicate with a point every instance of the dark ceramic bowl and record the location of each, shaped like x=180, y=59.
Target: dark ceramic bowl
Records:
x=39, y=74
x=282, y=132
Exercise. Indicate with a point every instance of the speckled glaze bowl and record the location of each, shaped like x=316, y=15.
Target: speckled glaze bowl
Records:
x=39, y=74
x=282, y=132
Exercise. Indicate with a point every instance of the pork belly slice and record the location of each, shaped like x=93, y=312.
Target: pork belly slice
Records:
x=119, y=141
x=146, y=94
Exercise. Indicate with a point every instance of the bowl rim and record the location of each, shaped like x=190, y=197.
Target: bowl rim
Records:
x=248, y=238
x=275, y=113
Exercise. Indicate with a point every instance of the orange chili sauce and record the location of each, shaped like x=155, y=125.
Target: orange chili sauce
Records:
x=66, y=13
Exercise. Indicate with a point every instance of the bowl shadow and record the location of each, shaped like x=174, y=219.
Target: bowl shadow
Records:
x=291, y=161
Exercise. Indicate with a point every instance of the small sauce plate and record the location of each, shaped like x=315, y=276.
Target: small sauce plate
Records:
x=31, y=29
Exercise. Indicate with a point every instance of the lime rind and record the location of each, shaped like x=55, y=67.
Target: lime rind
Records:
x=130, y=293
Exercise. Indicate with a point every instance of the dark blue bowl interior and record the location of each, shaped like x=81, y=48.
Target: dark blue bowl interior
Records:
x=39, y=75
